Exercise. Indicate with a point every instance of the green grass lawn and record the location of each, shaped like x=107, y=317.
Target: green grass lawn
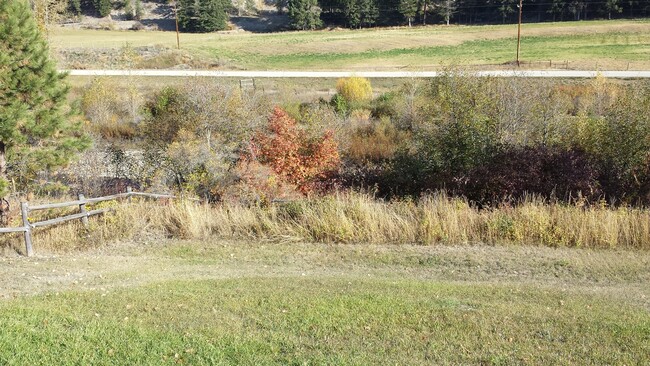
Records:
x=613, y=44
x=244, y=303
x=336, y=320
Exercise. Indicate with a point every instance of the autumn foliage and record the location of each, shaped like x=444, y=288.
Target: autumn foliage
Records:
x=307, y=162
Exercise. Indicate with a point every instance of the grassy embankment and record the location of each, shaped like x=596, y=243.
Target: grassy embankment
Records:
x=215, y=302
x=587, y=45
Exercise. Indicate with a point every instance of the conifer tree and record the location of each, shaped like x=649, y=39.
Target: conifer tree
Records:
x=304, y=14
x=37, y=128
x=103, y=7
x=409, y=9
x=203, y=15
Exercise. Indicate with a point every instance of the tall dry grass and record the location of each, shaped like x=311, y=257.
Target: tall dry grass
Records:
x=359, y=218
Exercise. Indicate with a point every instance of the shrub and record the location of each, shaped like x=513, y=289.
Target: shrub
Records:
x=355, y=90
x=113, y=113
x=308, y=163
x=376, y=142
x=516, y=172
x=195, y=132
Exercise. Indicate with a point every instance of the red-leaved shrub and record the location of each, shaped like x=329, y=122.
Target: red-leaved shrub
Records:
x=309, y=163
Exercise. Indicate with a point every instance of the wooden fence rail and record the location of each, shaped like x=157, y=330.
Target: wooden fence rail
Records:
x=83, y=214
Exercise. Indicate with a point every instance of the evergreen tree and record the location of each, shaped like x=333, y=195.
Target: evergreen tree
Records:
x=139, y=10
x=103, y=7
x=36, y=129
x=612, y=6
x=304, y=14
x=129, y=10
x=369, y=12
x=409, y=9
x=75, y=7
x=352, y=12
x=203, y=15
x=446, y=8
x=280, y=5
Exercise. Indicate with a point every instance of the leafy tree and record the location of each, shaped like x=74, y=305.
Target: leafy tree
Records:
x=409, y=9
x=304, y=14
x=37, y=132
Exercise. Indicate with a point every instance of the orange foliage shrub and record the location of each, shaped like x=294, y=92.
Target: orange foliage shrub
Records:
x=308, y=163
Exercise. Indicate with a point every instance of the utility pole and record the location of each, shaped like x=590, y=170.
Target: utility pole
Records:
x=178, y=39
x=521, y=8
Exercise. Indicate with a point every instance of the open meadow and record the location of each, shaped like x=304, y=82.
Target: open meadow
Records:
x=614, y=45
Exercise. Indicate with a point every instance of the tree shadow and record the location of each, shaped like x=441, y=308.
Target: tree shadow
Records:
x=264, y=22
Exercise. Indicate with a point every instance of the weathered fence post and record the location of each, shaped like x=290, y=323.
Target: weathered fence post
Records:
x=24, y=210
x=82, y=209
x=129, y=190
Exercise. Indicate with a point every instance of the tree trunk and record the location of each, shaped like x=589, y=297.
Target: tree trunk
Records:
x=424, y=14
x=4, y=203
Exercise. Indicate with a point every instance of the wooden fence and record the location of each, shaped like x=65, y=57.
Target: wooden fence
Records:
x=83, y=214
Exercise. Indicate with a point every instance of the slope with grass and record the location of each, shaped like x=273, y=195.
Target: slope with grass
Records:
x=586, y=45
x=220, y=302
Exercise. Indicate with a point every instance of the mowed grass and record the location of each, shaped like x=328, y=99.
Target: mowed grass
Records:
x=338, y=320
x=610, y=43
x=216, y=302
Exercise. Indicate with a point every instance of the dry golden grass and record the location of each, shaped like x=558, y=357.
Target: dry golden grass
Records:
x=359, y=218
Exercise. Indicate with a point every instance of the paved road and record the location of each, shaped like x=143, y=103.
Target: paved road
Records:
x=367, y=74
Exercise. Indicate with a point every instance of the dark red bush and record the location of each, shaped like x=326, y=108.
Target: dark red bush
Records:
x=517, y=171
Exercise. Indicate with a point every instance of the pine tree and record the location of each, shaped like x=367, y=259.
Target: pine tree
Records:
x=304, y=14
x=103, y=7
x=409, y=9
x=139, y=10
x=36, y=129
x=129, y=10
x=446, y=8
x=203, y=15
x=369, y=12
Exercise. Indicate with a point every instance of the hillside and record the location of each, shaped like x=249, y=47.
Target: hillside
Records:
x=614, y=45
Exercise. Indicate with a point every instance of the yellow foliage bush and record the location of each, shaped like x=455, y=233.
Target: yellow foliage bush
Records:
x=354, y=89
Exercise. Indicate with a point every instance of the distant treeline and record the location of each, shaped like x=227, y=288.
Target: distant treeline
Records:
x=211, y=15
x=368, y=13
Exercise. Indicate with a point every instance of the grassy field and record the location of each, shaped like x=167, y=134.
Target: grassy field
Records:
x=586, y=45
x=220, y=302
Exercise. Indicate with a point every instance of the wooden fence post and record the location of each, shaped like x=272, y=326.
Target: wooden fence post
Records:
x=24, y=210
x=82, y=209
x=129, y=190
